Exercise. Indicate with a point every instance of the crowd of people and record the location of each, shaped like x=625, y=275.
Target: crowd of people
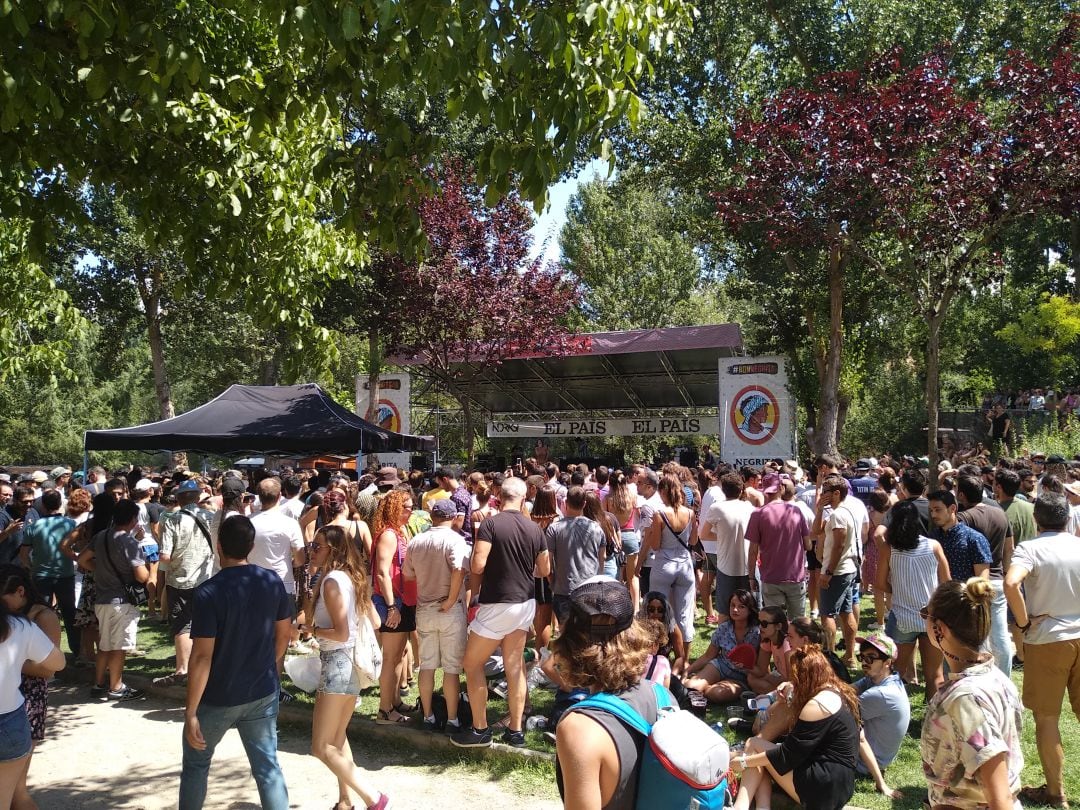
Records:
x=584, y=580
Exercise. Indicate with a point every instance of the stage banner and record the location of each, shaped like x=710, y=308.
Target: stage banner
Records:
x=645, y=426
x=391, y=413
x=757, y=416
x=392, y=404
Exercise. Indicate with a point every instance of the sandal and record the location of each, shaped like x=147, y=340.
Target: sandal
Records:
x=403, y=708
x=1042, y=795
x=387, y=719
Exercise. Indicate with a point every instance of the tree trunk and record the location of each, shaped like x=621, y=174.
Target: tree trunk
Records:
x=829, y=397
x=933, y=389
x=469, y=432
x=270, y=369
x=150, y=284
x=374, y=368
x=1074, y=248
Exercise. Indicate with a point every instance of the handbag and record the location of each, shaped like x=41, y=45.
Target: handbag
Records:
x=366, y=654
x=134, y=593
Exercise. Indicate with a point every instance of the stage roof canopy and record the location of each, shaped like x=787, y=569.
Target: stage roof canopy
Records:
x=644, y=370
x=279, y=419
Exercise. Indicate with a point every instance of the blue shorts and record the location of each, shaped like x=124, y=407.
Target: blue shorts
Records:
x=151, y=551
x=631, y=540
x=839, y=596
x=898, y=635
x=15, y=740
x=337, y=676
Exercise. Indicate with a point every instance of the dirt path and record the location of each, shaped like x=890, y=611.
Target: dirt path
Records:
x=127, y=757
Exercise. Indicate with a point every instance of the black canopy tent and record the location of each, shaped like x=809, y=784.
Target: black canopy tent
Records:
x=279, y=419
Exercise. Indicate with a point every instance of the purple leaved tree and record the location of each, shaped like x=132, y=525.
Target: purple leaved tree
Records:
x=476, y=299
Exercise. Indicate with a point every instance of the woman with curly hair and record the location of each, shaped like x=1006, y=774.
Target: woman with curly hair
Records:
x=342, y=603
x=601, y=649
x=815, y=762
x=394, y=598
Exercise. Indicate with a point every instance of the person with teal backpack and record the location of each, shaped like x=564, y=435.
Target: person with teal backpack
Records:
x=627, y=745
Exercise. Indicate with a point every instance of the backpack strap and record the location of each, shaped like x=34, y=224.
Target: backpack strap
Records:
x=623, y=710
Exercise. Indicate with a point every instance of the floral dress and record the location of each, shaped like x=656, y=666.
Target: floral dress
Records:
x=974, y=717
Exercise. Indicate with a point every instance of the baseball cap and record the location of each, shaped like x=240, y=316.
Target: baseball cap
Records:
x=603, y=606
x=56, y=472
x=1055, y=459
x=144, y=485
x=770, y=483
x=880, y=642
x=5, y=477
x=189, y=486
x=1073, y=487
x=444, y=508
x=863, y=464
x=1040, y=457
x=231, y=487
x=38, y=477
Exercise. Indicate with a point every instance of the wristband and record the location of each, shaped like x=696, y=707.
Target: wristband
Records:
x=1026, y=627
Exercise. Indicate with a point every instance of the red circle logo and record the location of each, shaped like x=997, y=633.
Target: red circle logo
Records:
x=754, y=414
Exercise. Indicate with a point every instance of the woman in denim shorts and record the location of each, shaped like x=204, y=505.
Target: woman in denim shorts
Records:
x=342, y=602
x=20, y=641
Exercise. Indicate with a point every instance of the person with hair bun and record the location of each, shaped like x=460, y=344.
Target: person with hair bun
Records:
x=971, y=733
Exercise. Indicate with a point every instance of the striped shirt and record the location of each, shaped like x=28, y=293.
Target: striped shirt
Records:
x=913, y=577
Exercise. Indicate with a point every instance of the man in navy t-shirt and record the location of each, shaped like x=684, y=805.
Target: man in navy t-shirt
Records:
x=241, y=624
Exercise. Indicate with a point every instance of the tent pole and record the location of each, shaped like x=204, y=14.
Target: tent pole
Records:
x=85, y=460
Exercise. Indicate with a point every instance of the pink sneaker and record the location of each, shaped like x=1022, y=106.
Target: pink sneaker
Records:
x=382, y=804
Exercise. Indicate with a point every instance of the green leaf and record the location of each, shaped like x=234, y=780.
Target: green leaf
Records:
x=351, y=21
x=237, y=208
x=97, y=82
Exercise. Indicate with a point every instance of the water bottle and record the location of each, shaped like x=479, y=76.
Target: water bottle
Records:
x=536, y=723
x=718, y=728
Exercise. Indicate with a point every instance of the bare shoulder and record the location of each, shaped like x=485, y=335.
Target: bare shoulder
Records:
x=822, y=705
x=581, y=733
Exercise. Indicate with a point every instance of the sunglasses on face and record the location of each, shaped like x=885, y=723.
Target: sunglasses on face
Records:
x=767, y=623
x=869, y=658
x=925, y=614
x=317, y=546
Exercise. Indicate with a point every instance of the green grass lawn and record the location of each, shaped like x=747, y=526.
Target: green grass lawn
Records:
x=905, y=773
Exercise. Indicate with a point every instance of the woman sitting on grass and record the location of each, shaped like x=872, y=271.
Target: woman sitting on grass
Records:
x=722, y=680
x=815, y=762
x=772, y=664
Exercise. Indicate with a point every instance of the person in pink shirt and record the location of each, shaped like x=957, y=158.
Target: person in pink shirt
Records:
x=778, y=537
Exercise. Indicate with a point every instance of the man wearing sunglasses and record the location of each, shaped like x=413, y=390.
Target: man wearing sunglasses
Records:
x=883, y=703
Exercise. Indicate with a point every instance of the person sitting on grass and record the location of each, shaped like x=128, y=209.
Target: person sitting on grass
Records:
x=656, y=607
x=884, y=708
x=722, y=680
x=772, y=664
x=815, y=762
x=657, y=667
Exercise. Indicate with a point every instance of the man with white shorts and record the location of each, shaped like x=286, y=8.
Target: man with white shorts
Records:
x=509, y=552
x=117, y=561
x=436, y=560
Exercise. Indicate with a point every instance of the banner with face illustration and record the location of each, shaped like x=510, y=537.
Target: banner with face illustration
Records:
x=757, y=416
